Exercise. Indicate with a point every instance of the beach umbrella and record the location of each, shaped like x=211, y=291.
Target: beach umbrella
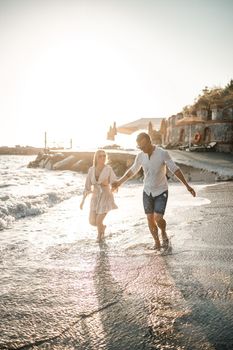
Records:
x=139, y=124
x=189, y=121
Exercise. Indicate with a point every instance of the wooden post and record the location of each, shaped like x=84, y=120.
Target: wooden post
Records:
x=45, y=140
x=190, y=136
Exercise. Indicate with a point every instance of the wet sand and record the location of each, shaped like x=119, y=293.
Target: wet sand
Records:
x=125, y=295
x=202, y=274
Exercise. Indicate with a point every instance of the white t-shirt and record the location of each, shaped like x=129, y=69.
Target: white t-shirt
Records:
x=155, y=181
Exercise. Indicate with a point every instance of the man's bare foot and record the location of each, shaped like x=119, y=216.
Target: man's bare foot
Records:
x=165, y=240
x=165, y=243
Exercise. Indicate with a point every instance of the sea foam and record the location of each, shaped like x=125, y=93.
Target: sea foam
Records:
x=28, y=192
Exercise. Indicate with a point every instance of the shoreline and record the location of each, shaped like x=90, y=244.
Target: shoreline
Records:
x=203, y=166
x=202, y=272
x=212, y=166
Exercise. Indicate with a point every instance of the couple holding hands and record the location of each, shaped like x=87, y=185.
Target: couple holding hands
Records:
x=101, y=182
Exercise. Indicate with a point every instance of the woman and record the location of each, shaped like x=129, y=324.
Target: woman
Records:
x=99, y=178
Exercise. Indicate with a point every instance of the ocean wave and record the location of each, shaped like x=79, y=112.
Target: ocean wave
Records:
x=13, y=208
x=7, y=185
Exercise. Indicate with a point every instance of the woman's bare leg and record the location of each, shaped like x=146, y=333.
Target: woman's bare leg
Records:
x=92, y=218
x=100, y=226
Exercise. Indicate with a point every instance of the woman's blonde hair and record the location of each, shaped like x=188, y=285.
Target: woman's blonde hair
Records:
x=97, y=154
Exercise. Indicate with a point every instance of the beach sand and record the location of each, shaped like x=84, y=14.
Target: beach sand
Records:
x=64, y=291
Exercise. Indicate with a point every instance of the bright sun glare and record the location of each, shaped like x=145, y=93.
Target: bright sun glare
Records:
x=78, y=94
x=72, y=68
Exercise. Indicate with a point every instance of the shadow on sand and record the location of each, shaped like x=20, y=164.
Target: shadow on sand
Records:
x=123, y=325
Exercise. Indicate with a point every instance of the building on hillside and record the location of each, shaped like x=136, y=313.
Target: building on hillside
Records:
x=201, y=129
x=205, y=126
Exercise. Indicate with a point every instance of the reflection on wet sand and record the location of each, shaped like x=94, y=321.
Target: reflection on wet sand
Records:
x=203, y=274
x=60, y=290
x=123, y=325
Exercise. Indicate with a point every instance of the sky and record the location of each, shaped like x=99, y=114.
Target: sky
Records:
x=73, y=67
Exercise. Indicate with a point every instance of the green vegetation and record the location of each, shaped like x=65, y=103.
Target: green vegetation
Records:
x=210, y=97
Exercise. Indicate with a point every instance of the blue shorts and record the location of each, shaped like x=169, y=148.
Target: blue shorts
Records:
x=155, y=204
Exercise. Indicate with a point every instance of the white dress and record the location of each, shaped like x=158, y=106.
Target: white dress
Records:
x=102, y=199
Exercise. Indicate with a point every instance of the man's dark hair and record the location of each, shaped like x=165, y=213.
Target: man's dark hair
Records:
x=143, y=135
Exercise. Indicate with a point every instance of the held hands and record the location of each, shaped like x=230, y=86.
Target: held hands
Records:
x=115, y=186
x=191, y=190
x=114, y=189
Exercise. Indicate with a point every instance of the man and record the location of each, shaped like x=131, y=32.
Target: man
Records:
x=154, y=160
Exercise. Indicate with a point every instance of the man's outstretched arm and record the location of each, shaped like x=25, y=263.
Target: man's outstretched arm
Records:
x=127, y=175
x=181, y=177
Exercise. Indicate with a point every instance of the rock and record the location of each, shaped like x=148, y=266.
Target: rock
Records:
x=53, y=159
x=39, y=157
x=57, y=157
x=39, y=161
x=33, y=164
x=119, y=168
x=81, y=166
x=48, y=164
x=65, y=164
x=42, y=162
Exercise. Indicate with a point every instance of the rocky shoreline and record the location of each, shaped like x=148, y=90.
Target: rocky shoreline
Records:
x=80, y=161
x=204, y=168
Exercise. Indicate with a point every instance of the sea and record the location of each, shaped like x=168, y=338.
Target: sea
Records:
x=48, y=249
x=27, y=194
